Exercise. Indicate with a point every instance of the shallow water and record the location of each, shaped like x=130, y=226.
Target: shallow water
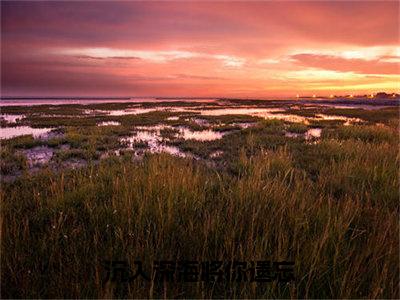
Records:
x=286, y=117
x=10, y=132
x=211, y=110
x=239, y=111
x=201, y=122
x=181, y=132
x=313, y=133
x=266, y=113
x=216, y=154
x=244, y=125
x=360, y=106
x=308, y=135
x=9, y=118
x=109, y=123
x=131, y=111
x=203, y=135
x=135, y=111
x=156, y=143
x=347, y=120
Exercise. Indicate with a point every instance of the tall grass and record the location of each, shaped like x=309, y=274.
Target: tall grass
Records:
x=340, y=225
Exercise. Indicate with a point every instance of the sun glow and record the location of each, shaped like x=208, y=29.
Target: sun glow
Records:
x=200, y=49
x=366, y=53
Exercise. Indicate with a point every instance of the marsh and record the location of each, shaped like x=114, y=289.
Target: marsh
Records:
x=181, y=179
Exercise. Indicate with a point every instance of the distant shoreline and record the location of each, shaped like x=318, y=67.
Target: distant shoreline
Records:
x=30, y=101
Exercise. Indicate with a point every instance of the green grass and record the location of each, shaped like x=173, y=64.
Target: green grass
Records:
x=297, y=128
x=374, y=134
x=11, y=162
x=326, y=123
x=227, y=127
x=265, y=134
x=85, y=154
x=168, y=133
x=23, y=142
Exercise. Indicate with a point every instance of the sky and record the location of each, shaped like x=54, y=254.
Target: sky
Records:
x=199, y=49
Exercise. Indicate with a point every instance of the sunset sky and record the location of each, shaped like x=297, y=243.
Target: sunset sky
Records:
x=199, y=49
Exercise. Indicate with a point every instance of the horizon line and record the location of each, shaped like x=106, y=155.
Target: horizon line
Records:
x=200, y=97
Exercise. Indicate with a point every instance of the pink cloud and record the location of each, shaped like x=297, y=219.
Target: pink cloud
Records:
x=336, y=63
x=187, y=47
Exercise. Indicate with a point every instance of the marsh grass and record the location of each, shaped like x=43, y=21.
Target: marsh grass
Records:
x=325, y=123
x=22, y=142
x=374, y=134
x=227, y=127
x=331, y=207
x=12, y=162
x=383, y=115
x=229, y=119
x=168, y=133
x=297, y=128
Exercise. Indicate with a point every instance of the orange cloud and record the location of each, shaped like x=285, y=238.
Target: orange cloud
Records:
x=261, y=49
x=336, y=63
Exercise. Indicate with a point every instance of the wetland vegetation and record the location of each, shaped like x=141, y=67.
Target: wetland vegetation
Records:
x=148, y=188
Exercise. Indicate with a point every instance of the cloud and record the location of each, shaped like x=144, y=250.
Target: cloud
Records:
x=269, y=61
x=190, y=76
x=390, y=58
x=230, y=61
x=105, y=53
x=111, y=57
x=337, y=63
x=159, y=56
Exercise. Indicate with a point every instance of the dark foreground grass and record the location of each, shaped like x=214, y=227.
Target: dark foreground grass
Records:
x=331, y=207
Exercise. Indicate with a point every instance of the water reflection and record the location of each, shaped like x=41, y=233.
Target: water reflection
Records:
x=239, y=111
x=155, y=138
x=266, y=113
x=9, y=118
x=216, y=154
x=244, y=125
x=358, y=106
x=109, y=123
x=11, y=132
x=347, y=120
x=153, y=141
x=312, y=133
x=180, y=132
x=131, y=111
x=203, y=135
